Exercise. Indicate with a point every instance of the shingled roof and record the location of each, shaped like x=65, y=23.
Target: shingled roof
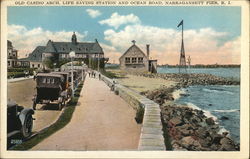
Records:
x=36, y=55
x=136, y=48
x=65, y=48
x=9, y=44
x=79, y=47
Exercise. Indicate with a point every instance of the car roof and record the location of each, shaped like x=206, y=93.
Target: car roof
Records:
x=48, y=75
x=11, y=104
x=65, y=73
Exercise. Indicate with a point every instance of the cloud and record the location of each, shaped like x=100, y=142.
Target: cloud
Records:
x=111, y=53
x=204, y=45
x=26, y=40
x=117, y=20
x=93, y=13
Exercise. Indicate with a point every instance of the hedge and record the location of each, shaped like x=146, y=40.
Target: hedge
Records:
x=20, y=69
x=17, y=74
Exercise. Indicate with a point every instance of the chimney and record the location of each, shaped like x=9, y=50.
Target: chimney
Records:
x=147, y=50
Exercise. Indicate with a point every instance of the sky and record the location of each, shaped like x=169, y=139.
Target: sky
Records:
x=211, y=34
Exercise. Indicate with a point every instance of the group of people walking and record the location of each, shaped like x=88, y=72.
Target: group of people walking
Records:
x=93, y=74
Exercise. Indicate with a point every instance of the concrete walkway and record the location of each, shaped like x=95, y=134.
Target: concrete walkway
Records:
x=101, y=121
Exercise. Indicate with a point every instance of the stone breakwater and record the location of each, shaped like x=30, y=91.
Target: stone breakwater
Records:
x=187, y=128
x=193, y=79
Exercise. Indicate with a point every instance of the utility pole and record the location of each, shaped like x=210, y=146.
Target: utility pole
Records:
x=98, y=64
x=189, y=61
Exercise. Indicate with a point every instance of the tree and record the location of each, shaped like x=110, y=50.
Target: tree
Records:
x=52, y=61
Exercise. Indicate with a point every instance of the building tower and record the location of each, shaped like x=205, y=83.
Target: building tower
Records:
x=74, y=39
x=182, y=63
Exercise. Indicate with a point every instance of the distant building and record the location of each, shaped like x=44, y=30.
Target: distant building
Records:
x=35, y=58
x=61, y=50
x=134, y=59
x=11, y=55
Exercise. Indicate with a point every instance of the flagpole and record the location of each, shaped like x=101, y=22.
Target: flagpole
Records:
x=182, y=28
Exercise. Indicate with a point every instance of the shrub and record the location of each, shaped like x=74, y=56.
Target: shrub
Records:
x=108, y=74
x=17, y=74
x=20, y=69
x=139, y=114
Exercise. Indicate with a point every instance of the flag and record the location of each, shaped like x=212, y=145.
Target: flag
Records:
x=181, y=23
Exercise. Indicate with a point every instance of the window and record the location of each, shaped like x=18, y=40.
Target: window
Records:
x=127, y=59
x=8, y=63
x=52, y=81
x=48, y=80
x=140, y=59
x=133, y=59
x=44, y=80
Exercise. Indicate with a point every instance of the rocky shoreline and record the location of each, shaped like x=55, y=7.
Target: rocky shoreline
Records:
x=187, y=128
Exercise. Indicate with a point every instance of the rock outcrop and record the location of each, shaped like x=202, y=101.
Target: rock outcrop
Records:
x=189, y=129
x=193, y=78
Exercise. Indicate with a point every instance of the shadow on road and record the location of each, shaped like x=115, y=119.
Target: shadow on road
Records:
x=50, y=107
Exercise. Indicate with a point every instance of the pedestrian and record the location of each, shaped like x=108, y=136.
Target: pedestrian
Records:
x=99, y=76
x=89, y=73
x=113, y=85
x=26, y=73
x=94, y=74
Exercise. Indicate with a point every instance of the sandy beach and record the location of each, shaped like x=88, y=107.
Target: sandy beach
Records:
x=141, y=84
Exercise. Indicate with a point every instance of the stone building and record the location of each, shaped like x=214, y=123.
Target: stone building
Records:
x=11, y=55
x=135, y=60
x=60, y=50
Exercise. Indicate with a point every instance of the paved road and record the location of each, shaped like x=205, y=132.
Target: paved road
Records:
x=21, y=91
x=101, y=121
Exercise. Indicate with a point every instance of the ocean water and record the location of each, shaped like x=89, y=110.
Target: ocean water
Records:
x=217, y=101
x=222, y=72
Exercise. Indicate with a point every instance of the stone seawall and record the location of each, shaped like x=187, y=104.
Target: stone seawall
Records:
x=151, y=137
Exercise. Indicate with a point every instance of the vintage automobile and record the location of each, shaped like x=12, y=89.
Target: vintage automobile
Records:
x=66, y=83
x=19, y=120
x=49, y=88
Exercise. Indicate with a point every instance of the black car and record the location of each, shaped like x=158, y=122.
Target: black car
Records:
x=51, y=87
x=19, y=120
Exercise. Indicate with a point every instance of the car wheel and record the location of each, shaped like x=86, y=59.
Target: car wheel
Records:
x=27, y=126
